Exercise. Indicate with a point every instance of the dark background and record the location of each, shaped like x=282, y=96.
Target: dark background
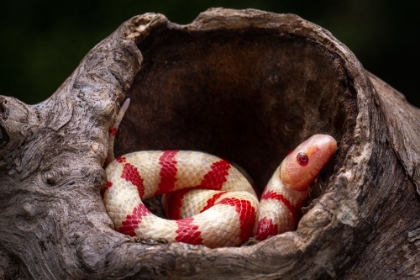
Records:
x=43, y=41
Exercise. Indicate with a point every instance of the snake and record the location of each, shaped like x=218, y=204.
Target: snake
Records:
x=207, y=200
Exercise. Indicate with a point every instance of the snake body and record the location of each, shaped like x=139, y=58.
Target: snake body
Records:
x=212, y=203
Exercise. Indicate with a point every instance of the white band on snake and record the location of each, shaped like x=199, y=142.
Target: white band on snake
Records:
x=211, y=202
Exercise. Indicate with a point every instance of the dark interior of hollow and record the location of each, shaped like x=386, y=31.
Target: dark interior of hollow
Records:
x=247, y=96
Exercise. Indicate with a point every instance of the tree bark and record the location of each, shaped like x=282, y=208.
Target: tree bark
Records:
x=245, y=85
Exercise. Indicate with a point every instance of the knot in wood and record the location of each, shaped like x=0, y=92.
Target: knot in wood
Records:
x=51, y=177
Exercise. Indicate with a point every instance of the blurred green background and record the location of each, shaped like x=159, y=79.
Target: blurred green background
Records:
x=43, y=41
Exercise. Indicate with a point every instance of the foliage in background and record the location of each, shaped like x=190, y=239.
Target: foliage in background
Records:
x=43, y=41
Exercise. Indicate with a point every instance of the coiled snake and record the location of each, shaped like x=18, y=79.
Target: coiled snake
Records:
x=212, y=202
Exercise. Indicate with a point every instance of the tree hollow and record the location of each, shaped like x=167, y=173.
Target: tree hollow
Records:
x=249, y=97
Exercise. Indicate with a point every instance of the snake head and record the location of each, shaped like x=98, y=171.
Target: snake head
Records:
x=300, y=168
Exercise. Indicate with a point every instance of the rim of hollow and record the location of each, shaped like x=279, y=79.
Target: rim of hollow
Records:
x=248, y=86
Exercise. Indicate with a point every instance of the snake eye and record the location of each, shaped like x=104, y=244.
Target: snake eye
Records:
x=302, y=159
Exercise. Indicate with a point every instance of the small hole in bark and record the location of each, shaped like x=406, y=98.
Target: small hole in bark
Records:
x=4, y=138
x=2, y=107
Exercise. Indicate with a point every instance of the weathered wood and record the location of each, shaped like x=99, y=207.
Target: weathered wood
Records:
x=245, y=85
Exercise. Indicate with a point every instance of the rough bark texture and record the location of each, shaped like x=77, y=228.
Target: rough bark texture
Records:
x=245, y=85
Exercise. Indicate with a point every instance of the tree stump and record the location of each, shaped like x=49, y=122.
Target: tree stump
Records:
x=244, y=85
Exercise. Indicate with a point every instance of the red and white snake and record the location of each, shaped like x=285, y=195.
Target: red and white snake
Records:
x=211, y=202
